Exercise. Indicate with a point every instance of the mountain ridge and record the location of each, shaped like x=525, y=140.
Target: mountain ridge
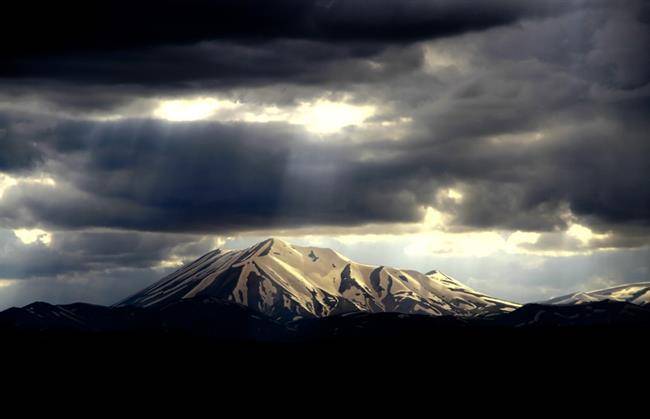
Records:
x=287, y=282
x=636, y=293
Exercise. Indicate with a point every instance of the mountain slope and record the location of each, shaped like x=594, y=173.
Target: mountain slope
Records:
x=288, y=282
x=637, y=293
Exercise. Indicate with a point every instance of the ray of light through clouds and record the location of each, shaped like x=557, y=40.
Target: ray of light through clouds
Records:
x=321, y=116
x=504, y=143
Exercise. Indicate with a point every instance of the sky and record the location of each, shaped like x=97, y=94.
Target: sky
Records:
x=504, y=143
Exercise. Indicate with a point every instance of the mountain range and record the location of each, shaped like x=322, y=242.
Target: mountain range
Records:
x=275, y=290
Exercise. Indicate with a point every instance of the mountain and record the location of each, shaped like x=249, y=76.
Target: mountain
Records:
x=593, y=314
x=637, y=293
x=195, y=317
x=287, y=282
x=40, y=316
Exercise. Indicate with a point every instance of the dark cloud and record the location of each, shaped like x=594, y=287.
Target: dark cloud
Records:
x=73, y=26
x=112, y=50
x=104, y=82
x=211, y=65
x=530, y=184
x=91, y=253
x=149, y=175
x=17, y=152
x=162, y=176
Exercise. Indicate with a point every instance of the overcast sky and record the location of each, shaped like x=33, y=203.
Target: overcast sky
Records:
x=505, y=143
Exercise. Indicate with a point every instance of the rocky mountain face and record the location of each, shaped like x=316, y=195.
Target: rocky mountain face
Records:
x=287, y=282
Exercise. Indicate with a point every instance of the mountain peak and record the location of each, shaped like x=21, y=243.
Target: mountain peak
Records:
x=287, y=282
x=271, y=242
x=274, y=241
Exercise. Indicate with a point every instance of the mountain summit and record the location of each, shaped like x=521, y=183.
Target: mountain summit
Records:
x=287, y=282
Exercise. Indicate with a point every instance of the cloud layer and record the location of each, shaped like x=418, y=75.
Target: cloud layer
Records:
x=501, y=116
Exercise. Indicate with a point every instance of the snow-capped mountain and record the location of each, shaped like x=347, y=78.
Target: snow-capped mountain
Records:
x=287, y=282
x=637, y=293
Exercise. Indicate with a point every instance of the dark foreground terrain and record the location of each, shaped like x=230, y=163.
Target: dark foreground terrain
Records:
x=205, y=345
x=538, y=333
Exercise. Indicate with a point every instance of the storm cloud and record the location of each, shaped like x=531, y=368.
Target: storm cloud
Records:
x=503, y=116
x=73, y=26
x=191, y=177
x=116, y=48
